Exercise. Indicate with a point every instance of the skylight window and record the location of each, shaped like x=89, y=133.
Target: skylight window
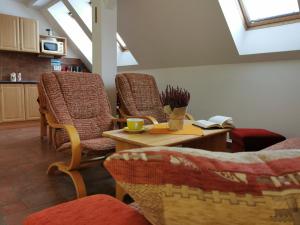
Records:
x=121, y=43
x=84, y=10
x=75, y=18
x=262, y=12
x=63, y=17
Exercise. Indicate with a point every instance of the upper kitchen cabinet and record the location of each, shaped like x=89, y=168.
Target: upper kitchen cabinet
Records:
x=29, y=35
x=19, y=34
x=9, y=33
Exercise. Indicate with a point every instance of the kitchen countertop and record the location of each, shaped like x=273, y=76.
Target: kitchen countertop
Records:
x=19, y=82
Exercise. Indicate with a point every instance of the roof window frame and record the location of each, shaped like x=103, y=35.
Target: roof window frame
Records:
x=271, y=21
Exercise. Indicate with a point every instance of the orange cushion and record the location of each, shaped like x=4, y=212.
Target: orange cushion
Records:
x=92, y=210
x=180, y=186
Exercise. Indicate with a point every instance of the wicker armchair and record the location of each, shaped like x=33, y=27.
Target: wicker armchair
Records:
x=76, y=107
x=138, y=95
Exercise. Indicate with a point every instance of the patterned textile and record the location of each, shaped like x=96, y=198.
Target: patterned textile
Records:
x=92, y=210
x=139, y=95
x=291, y=143
x=176, y=186
x=78, y=99
x=93, y=145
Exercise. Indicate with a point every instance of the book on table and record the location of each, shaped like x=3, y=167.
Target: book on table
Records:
x=215, y=122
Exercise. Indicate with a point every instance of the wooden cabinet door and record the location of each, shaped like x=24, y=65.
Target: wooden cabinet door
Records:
x=29, y=35
x=31, y=105
x=0, y=103
x=12, y=98
x=9, y=33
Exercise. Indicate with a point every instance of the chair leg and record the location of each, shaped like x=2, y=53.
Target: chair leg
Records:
x=43, y=126
x=50, y=135
x=74, y=174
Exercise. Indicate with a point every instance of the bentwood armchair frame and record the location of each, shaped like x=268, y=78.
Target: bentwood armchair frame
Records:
x=77, y=161
x=126, y=102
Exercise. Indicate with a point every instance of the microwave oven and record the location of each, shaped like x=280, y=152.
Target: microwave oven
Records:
x=52, y=47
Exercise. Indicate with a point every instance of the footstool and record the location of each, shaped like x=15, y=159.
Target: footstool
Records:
x=92, y=210
x=248, y=139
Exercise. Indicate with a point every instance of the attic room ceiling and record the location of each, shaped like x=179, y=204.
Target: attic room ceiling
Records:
x=37, y=3
x=175, y=33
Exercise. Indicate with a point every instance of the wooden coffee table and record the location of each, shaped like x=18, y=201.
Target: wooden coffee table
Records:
x=213, y=140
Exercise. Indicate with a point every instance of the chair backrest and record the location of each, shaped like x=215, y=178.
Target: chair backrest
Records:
x=139, y=96
x=77, y=99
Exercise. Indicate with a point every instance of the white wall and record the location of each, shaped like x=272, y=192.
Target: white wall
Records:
x=17, y=8
x=104, y=45
x=261, y=95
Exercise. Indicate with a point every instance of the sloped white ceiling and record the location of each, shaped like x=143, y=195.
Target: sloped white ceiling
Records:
x=175, y=33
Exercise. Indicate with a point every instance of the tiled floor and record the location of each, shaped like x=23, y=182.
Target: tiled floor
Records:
x=24, y=185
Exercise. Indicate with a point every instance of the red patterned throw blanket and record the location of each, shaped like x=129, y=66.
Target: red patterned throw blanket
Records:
x=177, y=186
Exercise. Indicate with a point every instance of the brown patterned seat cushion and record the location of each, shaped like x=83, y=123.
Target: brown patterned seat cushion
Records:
x=177, y=186
x=95, y=145
x=78, y=99
x=139, y=95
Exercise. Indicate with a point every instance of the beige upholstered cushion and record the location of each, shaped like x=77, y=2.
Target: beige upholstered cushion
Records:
x=177, y=186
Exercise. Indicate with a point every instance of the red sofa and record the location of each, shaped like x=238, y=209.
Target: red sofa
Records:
x=105, y=210
x=97, y=209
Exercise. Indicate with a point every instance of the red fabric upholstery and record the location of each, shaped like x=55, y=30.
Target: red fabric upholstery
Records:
x=93, y=210
x=245, y=139
x=181, y=186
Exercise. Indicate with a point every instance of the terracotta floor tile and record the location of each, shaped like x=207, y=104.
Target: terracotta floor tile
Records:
x=8, y=196
x=24, y=185
x=16, y=218
x=13, y=208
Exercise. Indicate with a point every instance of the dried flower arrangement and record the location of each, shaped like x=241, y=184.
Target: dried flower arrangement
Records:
x=175, y=97
x=175, y=101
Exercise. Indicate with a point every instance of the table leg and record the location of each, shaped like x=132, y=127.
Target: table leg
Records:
x=120, y=193
x=217, y=142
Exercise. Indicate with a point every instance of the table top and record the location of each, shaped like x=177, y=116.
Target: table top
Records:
x=18, y=82
x=150, y=140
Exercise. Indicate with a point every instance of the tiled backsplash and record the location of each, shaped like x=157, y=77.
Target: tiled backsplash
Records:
x=30, y=65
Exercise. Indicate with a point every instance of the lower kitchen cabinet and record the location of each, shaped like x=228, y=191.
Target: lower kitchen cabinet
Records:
x=31, y=105
x=18, y=102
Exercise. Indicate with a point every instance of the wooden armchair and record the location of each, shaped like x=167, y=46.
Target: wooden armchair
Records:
x=138, y=95
x=76, y=107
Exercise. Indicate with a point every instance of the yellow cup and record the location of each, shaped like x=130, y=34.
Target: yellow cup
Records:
x=135, y=124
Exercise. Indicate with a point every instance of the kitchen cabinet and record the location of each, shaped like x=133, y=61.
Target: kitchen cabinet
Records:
x=0, y=104
x=19, y=34
x=31, y=105
x=29, y=35
x=9, y=33
x=18, y=102
x=12, y=102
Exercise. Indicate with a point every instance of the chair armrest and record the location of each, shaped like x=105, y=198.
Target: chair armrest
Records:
x=119, y=120
x=189, y=116
x=74, y=139
x=149, y=118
